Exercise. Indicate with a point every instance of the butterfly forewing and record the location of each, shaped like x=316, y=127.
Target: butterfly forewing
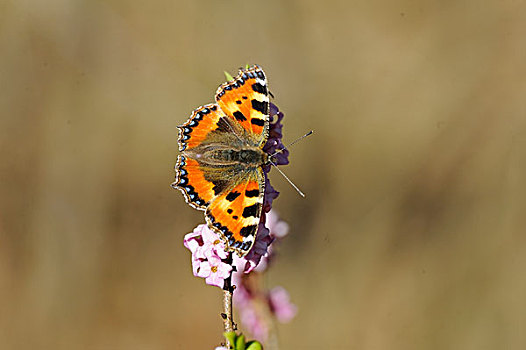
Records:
x=203, y=121
x=245, y=100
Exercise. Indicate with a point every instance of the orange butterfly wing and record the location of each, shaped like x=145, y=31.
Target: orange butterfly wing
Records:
x=198, y=127
x=235, y=213
x=245, y=100
x=189, y=174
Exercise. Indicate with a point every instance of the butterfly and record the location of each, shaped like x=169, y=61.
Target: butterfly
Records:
x=220, y=168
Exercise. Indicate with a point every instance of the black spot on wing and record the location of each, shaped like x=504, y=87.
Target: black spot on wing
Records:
x=238, y=102
x=257, y=121
x=252, y=193
x=251, y=210
x=232, y=196
x=229, y=211
x=249, y=230
x=260, y=106
x=239, y=116
x=235, y=217
x=257, y=87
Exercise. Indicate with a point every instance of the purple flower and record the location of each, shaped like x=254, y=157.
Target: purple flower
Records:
x=214, y=271
x=212, y=245
x=275, y=135
x=193, y=240
x=259, y=249
x=207, y=251
x=270, y=195
x=280, y=305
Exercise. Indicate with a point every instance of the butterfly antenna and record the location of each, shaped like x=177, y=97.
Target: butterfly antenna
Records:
x=286, y=178
x=293, y=142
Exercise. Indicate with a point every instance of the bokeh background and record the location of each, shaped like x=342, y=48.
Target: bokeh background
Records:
x=412, y=235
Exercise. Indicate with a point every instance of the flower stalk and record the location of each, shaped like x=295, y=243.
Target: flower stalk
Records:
x=228, y=292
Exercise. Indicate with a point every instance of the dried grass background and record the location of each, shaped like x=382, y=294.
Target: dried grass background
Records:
x=412, y=235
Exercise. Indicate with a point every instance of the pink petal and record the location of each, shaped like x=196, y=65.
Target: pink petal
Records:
x=193, y=239
x=214, y=260
x=278, y=228
x=191, y=244
x=220, y=250
x=224, y=270
x=281, y=306
x=196, y=264
x=209, y=235
x=215, y=280
x=204, y=269
x=205, y=251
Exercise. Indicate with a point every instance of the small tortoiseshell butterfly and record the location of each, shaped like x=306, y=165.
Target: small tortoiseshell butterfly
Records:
x=220, y=170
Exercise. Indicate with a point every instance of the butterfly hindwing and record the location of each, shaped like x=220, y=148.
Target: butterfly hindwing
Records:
x=235, y=214
x=190, y=179
x=246, y=100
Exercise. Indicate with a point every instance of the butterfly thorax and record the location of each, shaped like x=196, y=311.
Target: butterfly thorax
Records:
x=245, y=156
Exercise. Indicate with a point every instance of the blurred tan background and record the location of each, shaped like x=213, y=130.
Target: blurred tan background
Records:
x=412, y=235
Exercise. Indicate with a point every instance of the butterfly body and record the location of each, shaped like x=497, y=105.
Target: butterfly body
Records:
x=221, y=155
x=220, y=170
